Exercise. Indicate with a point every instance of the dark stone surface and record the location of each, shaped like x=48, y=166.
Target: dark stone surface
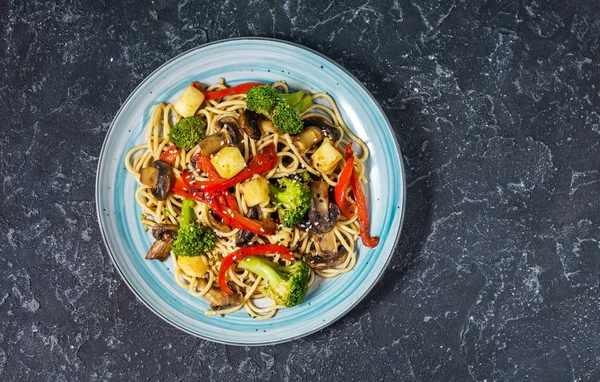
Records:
x=497, y=108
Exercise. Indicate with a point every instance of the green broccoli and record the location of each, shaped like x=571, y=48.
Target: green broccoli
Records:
x=262, y=100
x=292, y=199
x=283, y=109
x=287, y=284
x=188, y=132
x=192, y=239
x=299, y=101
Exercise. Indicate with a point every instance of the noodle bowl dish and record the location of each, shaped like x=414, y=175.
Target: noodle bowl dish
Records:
x=251, y=191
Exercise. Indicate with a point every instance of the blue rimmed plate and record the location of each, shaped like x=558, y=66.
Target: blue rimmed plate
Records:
x=242, y=60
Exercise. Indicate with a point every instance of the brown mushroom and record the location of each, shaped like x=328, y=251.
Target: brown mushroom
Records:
x=228, y=135
x=232, y=127
x=327, y=254
x=249, y=123
x=323, y=217
x=158, y=177
x=159, y=231
x=315, y=129
x=213, y=143
x=218, y=299
x=164, y=235
x=243, y=237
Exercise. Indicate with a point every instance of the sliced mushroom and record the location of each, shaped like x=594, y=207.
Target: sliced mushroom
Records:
x=243, y=237
x=219, y=300
x=160, y=249
x=164, y=235
x=232, y=127
x=327, y=254
x=159, y=231
x=163, y=184
x=158, y=178
x=324, y=125
x=149, y=176
x=229, y=134
x=249, y=123
x=213, y=143
x=322, y=215
x=315, y=129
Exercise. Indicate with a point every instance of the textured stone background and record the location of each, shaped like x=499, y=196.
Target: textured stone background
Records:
x=497, y=108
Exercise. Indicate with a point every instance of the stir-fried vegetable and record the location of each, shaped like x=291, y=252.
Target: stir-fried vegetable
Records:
x=341, y=189
x=292, y=199
x=255, y=191
x=243, y=253
x=192, y=239
x=287, y=284
x=264, y=161
x=228, y=162
x=326, y=157
x=239, y=89
x=188, y=132
x=189, y=102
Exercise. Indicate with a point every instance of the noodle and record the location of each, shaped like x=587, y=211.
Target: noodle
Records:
x=289, y=161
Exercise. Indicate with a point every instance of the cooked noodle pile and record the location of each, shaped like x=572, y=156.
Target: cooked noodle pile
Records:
x=289, y=161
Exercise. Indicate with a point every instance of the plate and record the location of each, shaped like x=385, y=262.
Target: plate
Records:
x=242, y=60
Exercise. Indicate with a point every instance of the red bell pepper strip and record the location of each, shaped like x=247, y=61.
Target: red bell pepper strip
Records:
x=239, y=89
x=363, y=214
x=181, y=186
x=341, y=189
x=204, y=165
x=242, y=253
x=230, y=200
x=233, y=218
x=264, y=161
x=218, y=203
x=170, y=155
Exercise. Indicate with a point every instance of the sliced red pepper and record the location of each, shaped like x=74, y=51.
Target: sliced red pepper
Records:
x=363, y=213
x=239, y=89
x=204, y=165
x=234, y=219
x=341, y=189
x=170, y=154
x=264, y=161
x=181, y=186
x=242, y=253
x=221, y=206
x=230, y=200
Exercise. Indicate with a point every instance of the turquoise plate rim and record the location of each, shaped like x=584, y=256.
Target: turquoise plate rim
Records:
x=323, y=324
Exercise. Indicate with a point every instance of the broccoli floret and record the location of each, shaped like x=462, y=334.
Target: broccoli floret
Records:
x=262, y=99
x=188, y=132
x=283, y=109
x=287, y=284
x=286, y=120
x=292, y=199
x=192, y=239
